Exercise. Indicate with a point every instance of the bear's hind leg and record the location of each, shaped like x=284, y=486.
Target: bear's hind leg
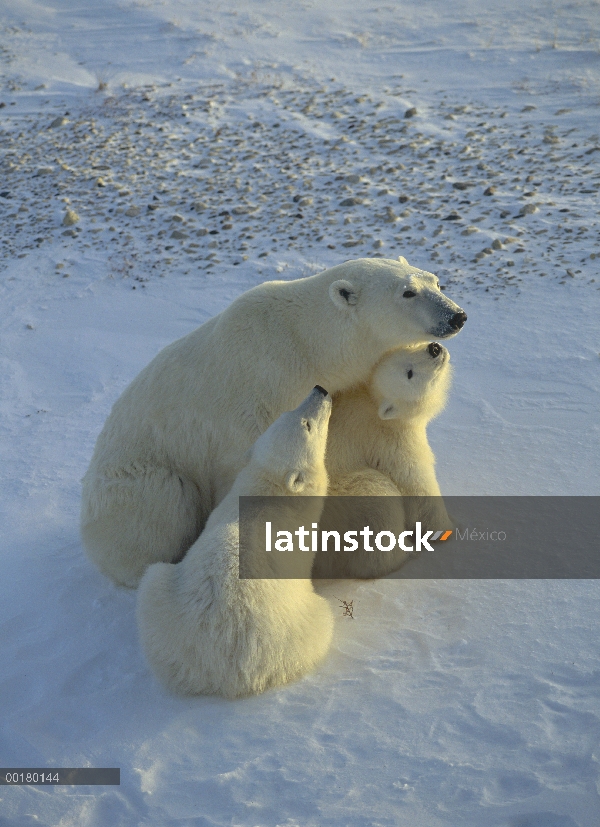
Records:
x=205, y=631
x=287, y=633
x=130, y=522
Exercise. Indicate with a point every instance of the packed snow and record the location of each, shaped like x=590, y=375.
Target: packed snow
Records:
x=159, y=157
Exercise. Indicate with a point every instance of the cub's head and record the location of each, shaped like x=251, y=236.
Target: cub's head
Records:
x=289, y=458
x=412, y=383
x=394, y=303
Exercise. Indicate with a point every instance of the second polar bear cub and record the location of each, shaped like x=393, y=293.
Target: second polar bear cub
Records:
x=382, y=424
x=204, y=629
x=378, y=446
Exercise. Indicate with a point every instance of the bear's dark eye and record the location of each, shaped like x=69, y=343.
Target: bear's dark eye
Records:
x=410, y=374
x=409, y=294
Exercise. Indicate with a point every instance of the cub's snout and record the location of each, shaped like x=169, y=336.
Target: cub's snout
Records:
x=434, y=349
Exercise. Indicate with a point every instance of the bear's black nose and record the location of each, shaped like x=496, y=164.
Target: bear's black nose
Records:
x=434, y=349
x=458, y=320
x=321, y=390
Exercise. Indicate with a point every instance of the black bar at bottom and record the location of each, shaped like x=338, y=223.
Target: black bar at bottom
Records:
x=15, y=776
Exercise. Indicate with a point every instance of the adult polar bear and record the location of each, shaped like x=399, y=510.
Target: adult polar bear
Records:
x=179, y=434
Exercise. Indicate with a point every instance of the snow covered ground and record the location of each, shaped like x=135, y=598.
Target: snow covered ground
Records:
x=205, y=148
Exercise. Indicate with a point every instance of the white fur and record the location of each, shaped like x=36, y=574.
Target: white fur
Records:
x=177, y=438
x=207, y=631
x=378, y=446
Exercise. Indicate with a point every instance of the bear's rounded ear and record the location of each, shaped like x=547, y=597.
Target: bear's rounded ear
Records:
x=387, y=410
x=343, y=294
x=295, y=482
x=402, y=260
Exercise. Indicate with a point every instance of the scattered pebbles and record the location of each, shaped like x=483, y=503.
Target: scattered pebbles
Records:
x=277, y=182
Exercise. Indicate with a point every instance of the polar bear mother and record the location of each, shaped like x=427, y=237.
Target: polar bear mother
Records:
x=180, y=433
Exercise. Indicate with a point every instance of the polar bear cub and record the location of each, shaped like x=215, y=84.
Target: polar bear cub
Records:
x=377, y=446
x=383, y=424
x=205, y=630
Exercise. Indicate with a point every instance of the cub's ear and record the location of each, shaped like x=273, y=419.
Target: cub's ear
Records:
x=387, y=410
x=402, y=260
x=343, y=294
x=295, y=482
